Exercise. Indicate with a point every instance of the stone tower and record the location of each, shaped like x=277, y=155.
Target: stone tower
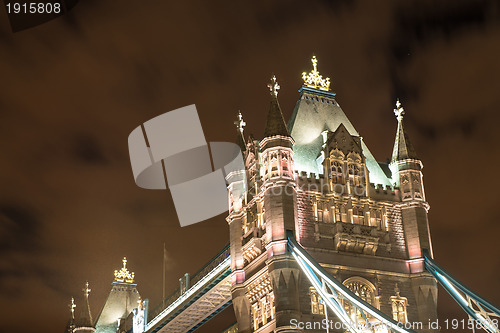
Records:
x=84, y=323
x=363, y=221
x=121, y=301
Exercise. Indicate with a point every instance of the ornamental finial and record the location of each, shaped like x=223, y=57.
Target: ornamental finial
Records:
x=123, y=275
x=72, y=307
x=86, y=290
x=274, y=87
x=399, y=111
x=240, y=123
x=314, y=79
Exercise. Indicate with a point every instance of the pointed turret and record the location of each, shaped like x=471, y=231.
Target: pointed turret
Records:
x=403, y=148
x=240, y=140
x=84, y=322
x=275, y=121
x=407, y=174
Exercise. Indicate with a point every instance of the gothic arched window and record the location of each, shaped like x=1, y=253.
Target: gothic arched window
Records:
x=337, y=172
x=376, y=218
x=358, y=215
x=274, y=165
x=399, y=305
x=399, y=310
x=340, y=213
x=364, y=290
x=354, y=175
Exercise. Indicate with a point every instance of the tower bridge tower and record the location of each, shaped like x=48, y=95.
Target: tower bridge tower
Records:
x=365, y=222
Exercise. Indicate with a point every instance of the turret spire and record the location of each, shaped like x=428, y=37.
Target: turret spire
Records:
x=71, y=322
x=239, y=127
x=403, y=148
x=72, y=307
x=84, y=321
x=274, y=87
x=275, y=122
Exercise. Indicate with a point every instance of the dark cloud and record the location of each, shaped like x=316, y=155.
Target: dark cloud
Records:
x=424, y=22
x=20, y=228
x=87, y=150
x=465, y=126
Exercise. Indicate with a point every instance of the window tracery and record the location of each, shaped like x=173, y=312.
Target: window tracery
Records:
x=364, y=290
x=399, y=305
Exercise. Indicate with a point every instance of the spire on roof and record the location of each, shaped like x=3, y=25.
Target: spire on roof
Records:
x=71, y=322
x=239, y=126
x=275, y=122
x=85, y=318
x=403, y=148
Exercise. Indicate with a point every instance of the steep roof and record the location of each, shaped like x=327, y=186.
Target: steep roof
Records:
x=275, y=124
x=122, y=299
x=403, y=149
x=315, y=111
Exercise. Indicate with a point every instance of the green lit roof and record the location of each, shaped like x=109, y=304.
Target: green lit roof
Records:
x=315, y=112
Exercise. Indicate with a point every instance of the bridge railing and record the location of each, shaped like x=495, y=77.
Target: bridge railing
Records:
x=209, y=266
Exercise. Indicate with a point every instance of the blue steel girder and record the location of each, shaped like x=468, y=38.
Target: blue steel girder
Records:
x=336, y=295
x=480, y=310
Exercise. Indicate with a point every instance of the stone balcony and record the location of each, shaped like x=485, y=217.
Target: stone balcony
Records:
x=355, y=238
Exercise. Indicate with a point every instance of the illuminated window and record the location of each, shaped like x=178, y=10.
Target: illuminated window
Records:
x=340, y=213
x=376, y=218
x=399, y=305
x=364, y=290
x=271, y=302
x=354, y=175
x=357, y=215
x=263, y=311
x=256, y=315
x=399, y=310
x=274, y=165
x=337, y=172
x=316, y=303
x=285, y=165
x=320, y=211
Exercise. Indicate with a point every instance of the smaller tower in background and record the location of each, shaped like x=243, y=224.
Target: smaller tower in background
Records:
x=84, y=322
x=121, y=301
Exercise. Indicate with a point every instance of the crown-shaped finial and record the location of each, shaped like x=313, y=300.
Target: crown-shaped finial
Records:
x=399, y=111
x=314, y=79
x=240, y=123
x=274, y=86
x=123, y=275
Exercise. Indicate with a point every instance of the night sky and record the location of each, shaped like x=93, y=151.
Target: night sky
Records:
x=74, y=88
